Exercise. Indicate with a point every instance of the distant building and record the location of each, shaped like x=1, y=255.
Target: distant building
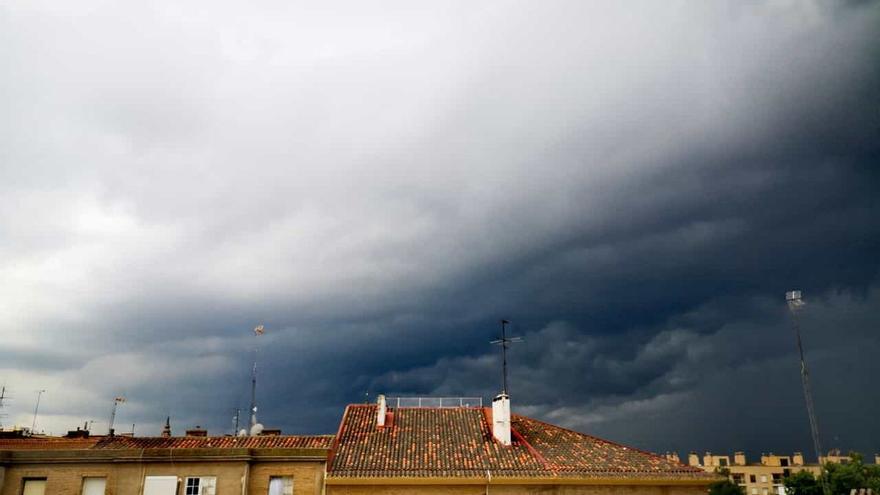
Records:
x=765, y=477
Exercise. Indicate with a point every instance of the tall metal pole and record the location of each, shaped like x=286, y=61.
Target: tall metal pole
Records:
x=36, y=408
x=504, y=356
x=795, y=305
x=504, y=342
x=116, y=402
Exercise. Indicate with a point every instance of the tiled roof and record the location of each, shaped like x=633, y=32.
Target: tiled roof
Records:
x=119, y=442
x=258, y=442
x=47, y=443
x=458, y=443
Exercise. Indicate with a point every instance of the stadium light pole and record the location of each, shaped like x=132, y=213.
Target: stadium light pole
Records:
x=796, y=303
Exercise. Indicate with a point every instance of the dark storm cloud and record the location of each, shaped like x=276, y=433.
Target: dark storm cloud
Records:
x=634, y=187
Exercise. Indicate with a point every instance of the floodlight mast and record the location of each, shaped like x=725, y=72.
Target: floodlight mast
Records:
x=795, y=305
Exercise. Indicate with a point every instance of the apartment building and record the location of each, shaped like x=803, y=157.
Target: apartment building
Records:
x=764, y=477
x=379, y=449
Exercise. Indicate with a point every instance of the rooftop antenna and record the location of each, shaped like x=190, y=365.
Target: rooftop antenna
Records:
x=235, y=419
x=795, y=305
x=505, y=341
x=2, y=397
x=256, y=428
x=116, y=401
x=36, y=409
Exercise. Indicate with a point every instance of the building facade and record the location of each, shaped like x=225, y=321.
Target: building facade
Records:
x=765, y=477
x=291, y=465
x=377, y=450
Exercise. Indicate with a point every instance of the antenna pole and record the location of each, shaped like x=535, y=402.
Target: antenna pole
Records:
x=504, y=341
x=504, y=356
x=795, y=304
x=258, y=330
x=116, y=402
x=2, y=396
x=36, y=408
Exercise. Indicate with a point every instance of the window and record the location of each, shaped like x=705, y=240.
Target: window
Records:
x=777, y=478
x=281, y=485
x=160, y=485
x=204, y=485
x=754, y=491
x=738, y=478
x=783, y=462
x=752, y=478
x=94, y=486
x=722, y=461
x=763, y=478
x=765, y=491
x=34, y=487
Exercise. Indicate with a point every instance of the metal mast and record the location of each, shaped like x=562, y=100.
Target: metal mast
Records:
x=253, y=430
x=795, y=305
x=116, y=402
x=504, y=342
x=36, y=408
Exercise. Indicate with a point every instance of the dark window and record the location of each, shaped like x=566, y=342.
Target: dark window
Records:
x=752, y=478
x=738, y=478
x=192, y=486
x=722, y=461
x=786, y=472
x=783, y=462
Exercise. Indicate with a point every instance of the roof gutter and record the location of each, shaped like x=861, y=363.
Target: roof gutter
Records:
x=544, y=480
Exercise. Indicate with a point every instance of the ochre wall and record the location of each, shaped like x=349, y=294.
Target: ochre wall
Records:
x=514, y=490
x=127, y=478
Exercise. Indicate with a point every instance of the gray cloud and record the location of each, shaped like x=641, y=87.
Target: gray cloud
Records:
x=635, y=187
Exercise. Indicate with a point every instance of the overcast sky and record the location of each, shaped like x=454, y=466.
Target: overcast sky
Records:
x=634, y=186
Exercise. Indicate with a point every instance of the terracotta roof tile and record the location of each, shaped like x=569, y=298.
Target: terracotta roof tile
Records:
x=119, y=442
x=228, y=442
x=458, y=442
x=47, y=443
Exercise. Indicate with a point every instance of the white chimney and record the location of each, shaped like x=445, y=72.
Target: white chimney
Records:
x=501, y=418
x=381, y=410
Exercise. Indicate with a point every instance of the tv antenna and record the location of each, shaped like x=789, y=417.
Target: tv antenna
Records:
x=2, y=397
x=116, y=402
x=795, y=305
x=255, y=428
x=36, y=409
x=504, y=342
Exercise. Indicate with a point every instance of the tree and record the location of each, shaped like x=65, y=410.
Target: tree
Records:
x=802, y=483
x=725, y=486
x=842, y=478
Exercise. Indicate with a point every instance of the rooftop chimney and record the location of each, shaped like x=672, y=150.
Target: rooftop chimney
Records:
x=739, y=458
x=673, y=456
x=501, y=418
x=381, y=411
x=797, y=459
x=166, y=431
x=197, y=432
x=693, y=459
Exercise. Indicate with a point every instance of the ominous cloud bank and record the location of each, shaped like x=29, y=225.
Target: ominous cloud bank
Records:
x=635, y=186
